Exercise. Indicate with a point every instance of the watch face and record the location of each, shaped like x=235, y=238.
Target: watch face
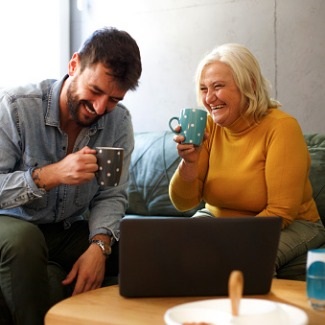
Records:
x=105, y=247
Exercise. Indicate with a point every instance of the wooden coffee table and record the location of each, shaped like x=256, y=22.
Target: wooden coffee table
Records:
x=106, y=306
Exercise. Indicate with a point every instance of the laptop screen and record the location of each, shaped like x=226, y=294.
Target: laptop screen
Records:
x=164, y=256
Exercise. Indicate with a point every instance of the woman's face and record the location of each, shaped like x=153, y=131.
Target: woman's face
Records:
x=219, y=93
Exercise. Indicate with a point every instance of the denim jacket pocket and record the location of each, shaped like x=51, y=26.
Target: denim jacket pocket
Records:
x=36, y=204
x=84, y=194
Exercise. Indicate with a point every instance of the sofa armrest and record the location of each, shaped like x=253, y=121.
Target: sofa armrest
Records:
x=316, y=146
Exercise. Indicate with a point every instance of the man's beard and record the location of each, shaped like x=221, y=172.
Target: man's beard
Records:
x=75, y=106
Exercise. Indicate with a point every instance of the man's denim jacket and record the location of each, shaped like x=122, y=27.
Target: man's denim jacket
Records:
x=30, y=137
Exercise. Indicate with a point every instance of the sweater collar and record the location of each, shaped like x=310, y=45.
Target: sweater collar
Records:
x=241, y=126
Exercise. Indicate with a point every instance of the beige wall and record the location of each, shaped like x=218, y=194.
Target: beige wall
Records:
x=287, y=36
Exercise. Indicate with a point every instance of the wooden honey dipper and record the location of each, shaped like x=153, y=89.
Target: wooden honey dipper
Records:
x=235, y=290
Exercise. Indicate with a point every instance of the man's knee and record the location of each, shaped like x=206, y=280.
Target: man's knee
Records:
x=20, y=237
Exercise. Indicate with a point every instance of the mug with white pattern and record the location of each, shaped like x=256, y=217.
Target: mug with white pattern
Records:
x=110, y=163
x=193, y=122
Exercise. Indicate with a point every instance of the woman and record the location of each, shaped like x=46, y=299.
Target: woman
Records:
x=254, y=160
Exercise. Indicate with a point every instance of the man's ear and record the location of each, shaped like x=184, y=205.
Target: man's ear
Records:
x=74, y=63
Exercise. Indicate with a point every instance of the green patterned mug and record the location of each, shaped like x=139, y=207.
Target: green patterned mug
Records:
x=192, y=122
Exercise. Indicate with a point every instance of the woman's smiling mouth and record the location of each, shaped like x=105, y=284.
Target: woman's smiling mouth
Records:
x=217, y=107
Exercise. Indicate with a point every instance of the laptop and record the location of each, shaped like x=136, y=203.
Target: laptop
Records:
x=179, y=256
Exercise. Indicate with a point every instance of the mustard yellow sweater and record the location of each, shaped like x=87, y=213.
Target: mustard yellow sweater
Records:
x=252, y=170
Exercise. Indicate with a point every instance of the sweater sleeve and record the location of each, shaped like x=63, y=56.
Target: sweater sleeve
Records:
x=188, y=195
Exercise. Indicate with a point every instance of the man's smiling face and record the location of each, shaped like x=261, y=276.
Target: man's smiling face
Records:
x=91, y=94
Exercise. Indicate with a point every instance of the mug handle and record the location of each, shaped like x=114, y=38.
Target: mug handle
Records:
x=170, y=123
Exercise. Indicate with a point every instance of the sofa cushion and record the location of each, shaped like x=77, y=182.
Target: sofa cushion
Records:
x=316, y=147
x=153, y=163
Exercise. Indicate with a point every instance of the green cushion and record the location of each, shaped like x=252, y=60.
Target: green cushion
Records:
x=153, y=163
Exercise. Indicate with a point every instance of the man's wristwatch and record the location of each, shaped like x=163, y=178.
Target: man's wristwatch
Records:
x=105, y=247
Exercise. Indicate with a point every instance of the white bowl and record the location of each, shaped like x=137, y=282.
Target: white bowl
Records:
x=251, y=312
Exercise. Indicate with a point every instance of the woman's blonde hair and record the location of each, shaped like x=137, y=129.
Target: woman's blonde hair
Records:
x=247, y=75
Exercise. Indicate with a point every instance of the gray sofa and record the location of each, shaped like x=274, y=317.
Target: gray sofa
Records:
x=155, y=159
x=153, y=163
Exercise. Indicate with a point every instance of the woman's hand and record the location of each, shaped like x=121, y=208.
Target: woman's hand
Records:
x=188, y=167
x=188, y=152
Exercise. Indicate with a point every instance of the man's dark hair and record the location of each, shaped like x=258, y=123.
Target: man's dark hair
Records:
x=117, y=51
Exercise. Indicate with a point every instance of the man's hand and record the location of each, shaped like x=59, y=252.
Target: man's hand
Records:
x=88, y=271
x=76, y=168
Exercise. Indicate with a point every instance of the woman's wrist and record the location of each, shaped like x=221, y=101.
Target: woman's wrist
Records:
x=188, y=170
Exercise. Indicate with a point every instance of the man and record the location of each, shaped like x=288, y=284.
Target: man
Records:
x=48, y=133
